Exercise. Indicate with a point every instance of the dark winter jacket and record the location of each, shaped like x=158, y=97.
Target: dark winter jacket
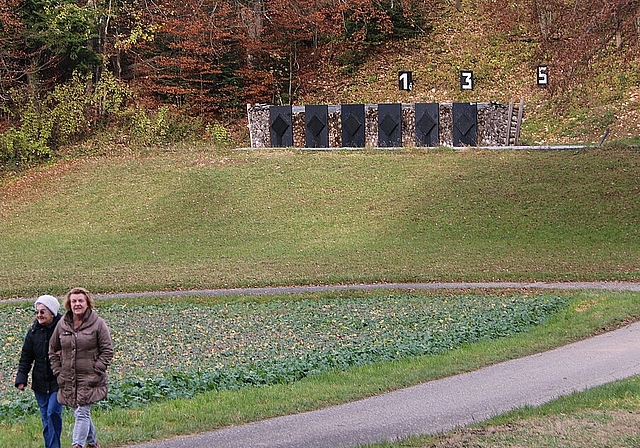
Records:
x=80, y=357
x=35, y=353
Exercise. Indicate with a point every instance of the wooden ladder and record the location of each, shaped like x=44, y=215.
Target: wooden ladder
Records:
x=515, y=121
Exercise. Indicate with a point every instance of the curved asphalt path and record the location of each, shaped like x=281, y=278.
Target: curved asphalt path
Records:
x=437, y=405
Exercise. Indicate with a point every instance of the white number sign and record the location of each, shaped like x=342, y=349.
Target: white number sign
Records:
x=543, y=75
x=405, y=81
x=466, y=80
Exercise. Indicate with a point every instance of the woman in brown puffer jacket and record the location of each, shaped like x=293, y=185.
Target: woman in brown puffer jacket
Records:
x=80, y=351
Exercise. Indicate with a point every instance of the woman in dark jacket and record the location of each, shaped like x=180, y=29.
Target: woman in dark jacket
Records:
x=80, y=351
x=35, y=353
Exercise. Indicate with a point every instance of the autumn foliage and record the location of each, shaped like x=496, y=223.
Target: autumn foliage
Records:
x=202, y=56
x=569, y=33
x=211, y=57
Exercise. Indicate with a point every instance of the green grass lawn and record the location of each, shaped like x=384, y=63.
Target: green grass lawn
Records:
x=198, y=218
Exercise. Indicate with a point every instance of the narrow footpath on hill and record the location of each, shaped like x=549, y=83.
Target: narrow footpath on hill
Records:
x=438, y=405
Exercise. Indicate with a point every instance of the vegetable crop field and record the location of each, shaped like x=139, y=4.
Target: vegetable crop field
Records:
x=167, y=351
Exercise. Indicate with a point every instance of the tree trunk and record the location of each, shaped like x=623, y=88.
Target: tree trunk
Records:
x=252, y=19
x=544, y=19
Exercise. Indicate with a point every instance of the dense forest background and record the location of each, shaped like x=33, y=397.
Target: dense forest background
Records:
x=175, y=68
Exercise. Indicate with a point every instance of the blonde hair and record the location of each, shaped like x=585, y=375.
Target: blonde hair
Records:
x=84, y=292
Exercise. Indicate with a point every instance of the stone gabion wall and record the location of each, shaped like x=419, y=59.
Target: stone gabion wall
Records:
x=335, y=127
x=493, y=121
x=258, y=115
x=297, y=121
x=408, y=125
x=497, y=125
x=446, y=124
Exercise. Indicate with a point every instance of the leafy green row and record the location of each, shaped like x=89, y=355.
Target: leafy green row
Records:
x=174, y=350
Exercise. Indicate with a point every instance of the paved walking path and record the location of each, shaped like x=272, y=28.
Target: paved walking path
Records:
x=612, y=286
x=440, y=405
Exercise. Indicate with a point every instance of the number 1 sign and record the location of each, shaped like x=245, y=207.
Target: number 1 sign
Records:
x=405, y=81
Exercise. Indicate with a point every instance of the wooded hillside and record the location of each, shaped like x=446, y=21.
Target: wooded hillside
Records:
x=68, y=68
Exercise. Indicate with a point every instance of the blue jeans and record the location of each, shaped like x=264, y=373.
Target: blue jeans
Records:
x=84, y=433
x=51, y=413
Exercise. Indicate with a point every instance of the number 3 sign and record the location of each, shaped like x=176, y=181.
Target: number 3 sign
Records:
x=466, y=80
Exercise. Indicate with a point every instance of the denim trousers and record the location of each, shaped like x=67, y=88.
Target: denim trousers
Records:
x=84, y=433
x=51, y=413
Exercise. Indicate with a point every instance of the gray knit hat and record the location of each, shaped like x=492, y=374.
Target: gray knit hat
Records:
x=50, y=302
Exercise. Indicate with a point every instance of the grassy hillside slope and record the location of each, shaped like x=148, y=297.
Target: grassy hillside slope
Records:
x=200, y=218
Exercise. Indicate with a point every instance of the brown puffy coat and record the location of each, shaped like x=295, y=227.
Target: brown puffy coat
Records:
x=80, y=357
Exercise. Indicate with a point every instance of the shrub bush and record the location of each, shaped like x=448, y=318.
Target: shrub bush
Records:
x=161, y=127
x=67, y=105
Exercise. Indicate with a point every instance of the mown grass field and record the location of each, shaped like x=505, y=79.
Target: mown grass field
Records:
x=200, y=218
x=203, y=218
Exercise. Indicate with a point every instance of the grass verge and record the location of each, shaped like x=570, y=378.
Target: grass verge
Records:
x=607, y=415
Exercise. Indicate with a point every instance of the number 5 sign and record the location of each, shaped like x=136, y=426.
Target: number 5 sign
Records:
x=543, y=75
x=466, y=80
x=405, y=81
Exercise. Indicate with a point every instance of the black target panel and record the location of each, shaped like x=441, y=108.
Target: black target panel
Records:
x=352, y=125
x=465, y=124
x=427, y=124
x=389, y=125
x=280, y=126
x=316, y=126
